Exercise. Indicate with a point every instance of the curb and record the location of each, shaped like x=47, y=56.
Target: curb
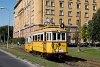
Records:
x=23, y=60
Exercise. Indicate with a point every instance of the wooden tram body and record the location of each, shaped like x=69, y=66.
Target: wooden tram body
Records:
x=49, y=40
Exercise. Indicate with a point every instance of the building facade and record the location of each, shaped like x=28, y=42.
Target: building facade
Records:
x=32, y=14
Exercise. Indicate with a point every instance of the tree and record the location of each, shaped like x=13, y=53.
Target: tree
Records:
x=4, y=32
x=85, y=34
x=90, y=28
x=75, y=37
x=95, y=26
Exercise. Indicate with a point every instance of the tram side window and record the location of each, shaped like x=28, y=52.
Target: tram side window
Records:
x=50, y=36
x=63, y=36
x=42, y=37
x=54, y=36
x=35, y=37
x=47, y=36
x=38, y=37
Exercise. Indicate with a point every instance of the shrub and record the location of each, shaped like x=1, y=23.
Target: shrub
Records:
x=20, y=40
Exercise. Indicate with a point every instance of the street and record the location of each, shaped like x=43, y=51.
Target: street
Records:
x=6, y=60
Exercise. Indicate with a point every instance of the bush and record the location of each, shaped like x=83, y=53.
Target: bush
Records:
x=20, y=40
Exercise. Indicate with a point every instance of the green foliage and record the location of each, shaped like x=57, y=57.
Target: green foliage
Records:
x=4, y=32
x=85, y=34
x=15, y=40
x=90, y=28
x=75, y=36
x=95, y=27
x=20, y=40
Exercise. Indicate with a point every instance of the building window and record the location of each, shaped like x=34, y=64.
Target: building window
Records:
x=86, y=14
x=93, y=14
x=78, y=14
x=52, y=3
x=69, y=5
x=60, y=20
x=78, y=0
x=52, y=20
x=32, y=13
x=61, y=4
x=47, y=3
x=78, y=6
x=61, y=12
x=86, y=7
x=69, y=21
x=77, y=22
x=94, y=1
x=86, y=21
x=86, y=0
x=52, y=11
x=69, y=0
x=94, y=7
x=47, y=19
x=47, y=11
x=69, y=13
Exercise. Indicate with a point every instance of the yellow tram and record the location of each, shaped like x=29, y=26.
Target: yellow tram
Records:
x=49, y=40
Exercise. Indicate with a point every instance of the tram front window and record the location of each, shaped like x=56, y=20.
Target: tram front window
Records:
x=63, y=36
x=42, y=37
x=58, y=36
x=54, y=36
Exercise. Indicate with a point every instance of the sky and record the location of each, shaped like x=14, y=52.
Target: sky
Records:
x=4, y=14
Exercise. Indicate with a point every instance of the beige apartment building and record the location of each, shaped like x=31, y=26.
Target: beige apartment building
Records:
x=33, y=14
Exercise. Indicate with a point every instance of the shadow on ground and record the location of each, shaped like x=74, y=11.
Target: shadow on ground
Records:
x=67, y=58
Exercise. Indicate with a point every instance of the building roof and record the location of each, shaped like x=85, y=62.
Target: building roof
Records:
x=17, y=3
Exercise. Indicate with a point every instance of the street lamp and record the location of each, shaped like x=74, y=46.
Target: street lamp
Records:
x=8, y=24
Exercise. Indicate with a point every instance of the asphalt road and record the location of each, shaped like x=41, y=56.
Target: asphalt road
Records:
x=7, y=60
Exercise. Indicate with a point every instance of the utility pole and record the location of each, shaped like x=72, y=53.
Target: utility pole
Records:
x=79, y=33
x=8, y=24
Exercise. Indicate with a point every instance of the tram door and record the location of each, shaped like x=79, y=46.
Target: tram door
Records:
x=44, y=44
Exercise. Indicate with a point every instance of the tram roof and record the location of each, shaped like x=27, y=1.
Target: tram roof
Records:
x=49, y=29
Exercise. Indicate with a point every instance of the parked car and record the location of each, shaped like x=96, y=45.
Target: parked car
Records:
x=84, y=44
x=72, y=45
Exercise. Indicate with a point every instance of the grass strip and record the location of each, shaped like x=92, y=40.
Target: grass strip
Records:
x=86, y=53
x=31, y=58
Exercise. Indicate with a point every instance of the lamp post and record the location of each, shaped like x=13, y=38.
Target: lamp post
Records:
x=8, y=24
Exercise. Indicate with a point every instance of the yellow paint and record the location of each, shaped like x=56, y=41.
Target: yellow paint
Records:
x=38, y=46
x=28, y=47
x=48, y=47
x=53, y=46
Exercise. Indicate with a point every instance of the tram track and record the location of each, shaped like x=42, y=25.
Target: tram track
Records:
x=69, y=61
x=77, y=62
